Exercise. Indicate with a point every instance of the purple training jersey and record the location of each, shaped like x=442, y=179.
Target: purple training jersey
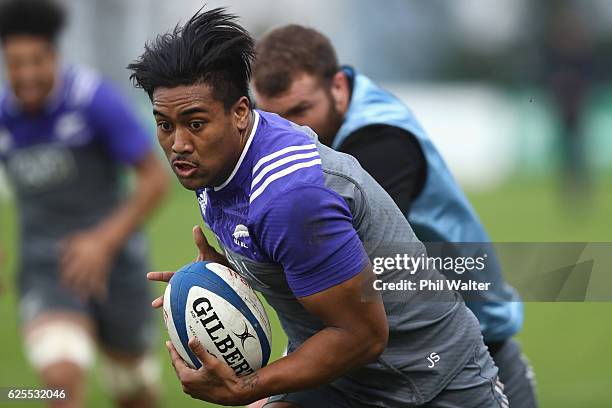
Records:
x=275, y=208
x=82, y=110
x=64, y=162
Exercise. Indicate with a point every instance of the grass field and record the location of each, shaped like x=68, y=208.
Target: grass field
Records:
x=568, y=343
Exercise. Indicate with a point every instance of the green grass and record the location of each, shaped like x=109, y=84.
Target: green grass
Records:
x=568, y=343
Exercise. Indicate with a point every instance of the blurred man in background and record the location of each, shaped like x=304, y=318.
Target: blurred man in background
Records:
x=297, y=76
x=65, y=136
x=570, y=66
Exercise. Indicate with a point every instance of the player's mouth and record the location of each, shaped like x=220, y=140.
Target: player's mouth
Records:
x=184, y=169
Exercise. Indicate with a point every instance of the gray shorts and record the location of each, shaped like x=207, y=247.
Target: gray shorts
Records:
x=123, y=321
x=516, y=373
x=477, y=385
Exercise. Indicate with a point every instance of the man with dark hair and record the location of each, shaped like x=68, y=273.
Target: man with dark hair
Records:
x=314, y=219
x=297, y=75
x=65, y=137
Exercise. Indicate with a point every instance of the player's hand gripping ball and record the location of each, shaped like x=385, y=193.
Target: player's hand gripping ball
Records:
x=214, y=304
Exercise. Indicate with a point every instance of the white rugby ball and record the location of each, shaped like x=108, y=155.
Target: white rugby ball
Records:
x=214, y=304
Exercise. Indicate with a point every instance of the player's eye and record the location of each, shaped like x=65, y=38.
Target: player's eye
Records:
x=164, y=126
x=298, y=112
x=196, y=125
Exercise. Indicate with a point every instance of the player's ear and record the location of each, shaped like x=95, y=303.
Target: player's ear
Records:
x=340, y=91
x=240, y=111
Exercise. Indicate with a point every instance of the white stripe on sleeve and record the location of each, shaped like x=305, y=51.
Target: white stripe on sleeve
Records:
x=281, y=174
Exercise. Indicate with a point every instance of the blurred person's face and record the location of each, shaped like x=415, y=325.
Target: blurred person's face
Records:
x=31, y=66
x=202, y=140
x=313, y=102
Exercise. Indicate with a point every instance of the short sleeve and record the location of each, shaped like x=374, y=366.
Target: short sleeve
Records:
x=395, y=159
x=309, y=231
x=117, y=127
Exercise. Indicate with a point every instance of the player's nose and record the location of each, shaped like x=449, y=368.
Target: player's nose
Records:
x=182, y=142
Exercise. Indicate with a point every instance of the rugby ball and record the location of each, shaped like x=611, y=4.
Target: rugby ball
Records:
x=214, y=304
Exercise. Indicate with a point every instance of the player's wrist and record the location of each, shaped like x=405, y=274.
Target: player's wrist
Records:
x=249, y=389
x=213, y=256
x=107, y=240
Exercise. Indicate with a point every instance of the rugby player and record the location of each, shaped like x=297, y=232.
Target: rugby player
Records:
x=314, y=219
x=297, y=75
x=66, y=135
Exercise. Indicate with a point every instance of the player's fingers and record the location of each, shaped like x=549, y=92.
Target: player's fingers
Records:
x=93, y=277
x=100, y=288
x=163, y=276
x=88, y=277
x=179, y=365
x=199, y=350
x=158, y=302
x=210, y=364
x=74, y=263
x=73, y=278
x=67, y=250
x=88, y=281
x=174, y=356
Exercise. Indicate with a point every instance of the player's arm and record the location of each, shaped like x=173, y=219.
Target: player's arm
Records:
x=310, y=233
x=356, y=333
x=327, y=269
x=393, y=157
x=151, y=183
x=88, y=255
x=129, y=144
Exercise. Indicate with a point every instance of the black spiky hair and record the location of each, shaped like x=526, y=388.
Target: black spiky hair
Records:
x=210, y=48
x=41, y=18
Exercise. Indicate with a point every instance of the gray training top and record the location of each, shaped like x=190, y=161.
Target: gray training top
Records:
x=276, y=175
